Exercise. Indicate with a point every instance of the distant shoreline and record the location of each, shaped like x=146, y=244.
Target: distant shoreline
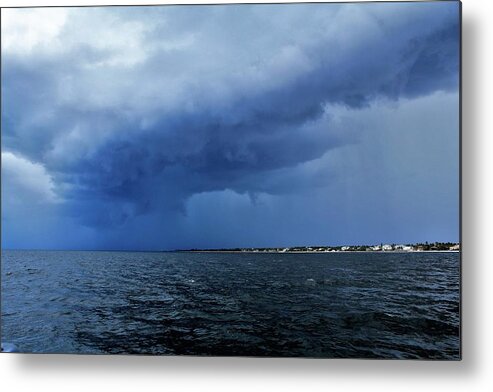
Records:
x=246, y=251
x=318, y=252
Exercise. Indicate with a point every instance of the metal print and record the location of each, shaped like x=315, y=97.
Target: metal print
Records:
x=232, y=180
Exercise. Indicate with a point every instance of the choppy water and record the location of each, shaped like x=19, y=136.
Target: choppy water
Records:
x=358, y=305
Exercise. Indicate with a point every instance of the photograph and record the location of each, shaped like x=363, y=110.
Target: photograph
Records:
x=232, y=180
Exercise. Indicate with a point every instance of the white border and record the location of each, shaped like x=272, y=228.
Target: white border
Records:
x=125, y=373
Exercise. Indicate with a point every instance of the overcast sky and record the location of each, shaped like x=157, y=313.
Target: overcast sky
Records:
x=224, y=126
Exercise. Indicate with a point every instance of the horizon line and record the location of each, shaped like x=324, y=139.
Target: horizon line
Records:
x=225, y=248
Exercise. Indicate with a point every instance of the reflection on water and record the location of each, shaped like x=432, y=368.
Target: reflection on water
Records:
x=365, y=305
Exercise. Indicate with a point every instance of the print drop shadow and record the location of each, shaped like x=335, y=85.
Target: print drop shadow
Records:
x=116, y=365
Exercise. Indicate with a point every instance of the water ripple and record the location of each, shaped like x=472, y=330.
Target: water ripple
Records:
x=325, y=305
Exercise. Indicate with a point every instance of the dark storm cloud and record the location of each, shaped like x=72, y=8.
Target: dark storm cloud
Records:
x=223, y=98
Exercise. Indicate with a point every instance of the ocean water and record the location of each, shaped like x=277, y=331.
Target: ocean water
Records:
x=353, y=305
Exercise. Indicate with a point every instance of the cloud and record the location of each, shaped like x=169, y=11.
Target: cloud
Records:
x=30, y=30
x=133, y=111
x=25, y=181
x=398, y=184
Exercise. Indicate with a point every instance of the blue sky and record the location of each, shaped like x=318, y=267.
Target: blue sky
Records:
x=223, y=126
